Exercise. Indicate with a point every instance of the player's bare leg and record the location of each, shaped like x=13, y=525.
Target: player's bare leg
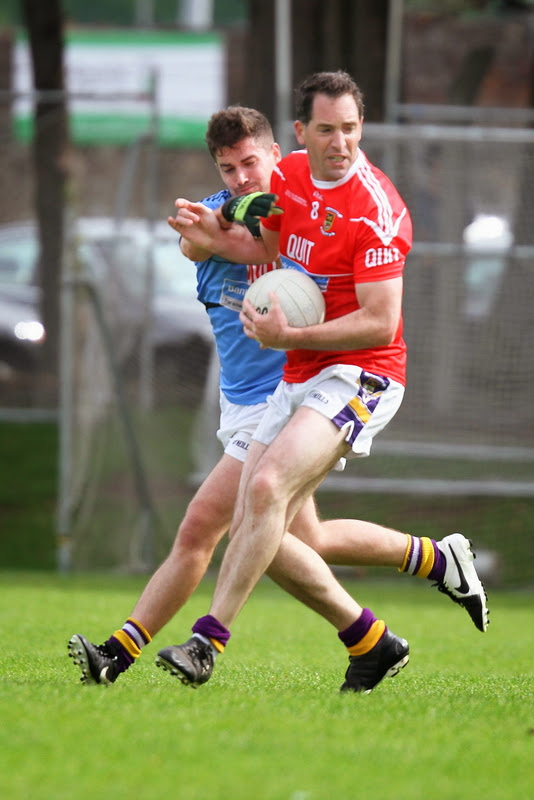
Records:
x=349, y=542
x=281, y=479
x=207, y=519
x=272, y=492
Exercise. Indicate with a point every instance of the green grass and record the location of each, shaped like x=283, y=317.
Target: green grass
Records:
x=28, y=488
x=458, y=722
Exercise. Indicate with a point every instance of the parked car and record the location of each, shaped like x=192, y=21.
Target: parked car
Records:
x=21, y=331
x=127, y=263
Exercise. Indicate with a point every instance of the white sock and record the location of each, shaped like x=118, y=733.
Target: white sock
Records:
x=205, y=639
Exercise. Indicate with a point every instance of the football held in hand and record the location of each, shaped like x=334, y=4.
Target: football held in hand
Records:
x=299, y=296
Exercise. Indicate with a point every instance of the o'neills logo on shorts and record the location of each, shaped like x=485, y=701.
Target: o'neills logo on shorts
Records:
x=320, y=397
x=240, y=443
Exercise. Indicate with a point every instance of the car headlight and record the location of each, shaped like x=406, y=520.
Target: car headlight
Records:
x=30, y=331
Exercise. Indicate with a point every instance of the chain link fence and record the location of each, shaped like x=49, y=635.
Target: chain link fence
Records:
x=138, y=380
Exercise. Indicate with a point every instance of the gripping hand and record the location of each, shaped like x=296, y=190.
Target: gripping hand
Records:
x=247, y=209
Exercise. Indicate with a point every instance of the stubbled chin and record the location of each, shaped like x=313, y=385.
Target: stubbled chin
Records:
x=337, y=171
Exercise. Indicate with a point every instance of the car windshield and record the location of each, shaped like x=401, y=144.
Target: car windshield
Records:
x=174, y=274
x=129, y=254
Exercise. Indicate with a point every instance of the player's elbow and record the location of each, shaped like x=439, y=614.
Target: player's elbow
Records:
x=386, y=332
x=186, y=248
x=381, y=340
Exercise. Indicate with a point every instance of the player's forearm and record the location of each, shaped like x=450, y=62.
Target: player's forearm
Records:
x=236, y=244
x=194, y=252
x=358, y=330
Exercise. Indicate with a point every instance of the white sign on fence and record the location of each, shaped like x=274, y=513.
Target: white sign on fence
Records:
x=190, y=76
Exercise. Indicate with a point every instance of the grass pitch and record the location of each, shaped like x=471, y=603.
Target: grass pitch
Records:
x=458, y=722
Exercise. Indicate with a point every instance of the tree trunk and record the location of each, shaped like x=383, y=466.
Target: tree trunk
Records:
x=341, y=34
x=44, y=25
x=523, y=221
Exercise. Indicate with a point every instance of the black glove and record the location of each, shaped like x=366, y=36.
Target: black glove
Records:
x=247, y=209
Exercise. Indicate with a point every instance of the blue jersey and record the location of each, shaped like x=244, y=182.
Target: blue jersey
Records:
x=248, y=373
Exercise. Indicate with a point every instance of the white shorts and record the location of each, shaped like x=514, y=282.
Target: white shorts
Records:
x=357, y=401
x=237, y=425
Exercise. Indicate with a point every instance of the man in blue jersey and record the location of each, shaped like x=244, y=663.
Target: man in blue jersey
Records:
x=241, y=142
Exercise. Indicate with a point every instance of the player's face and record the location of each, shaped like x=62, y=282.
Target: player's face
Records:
x=332, y=136
x=247, y=166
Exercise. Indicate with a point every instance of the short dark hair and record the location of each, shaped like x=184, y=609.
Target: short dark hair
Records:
x=333, y=84
x=230, y=126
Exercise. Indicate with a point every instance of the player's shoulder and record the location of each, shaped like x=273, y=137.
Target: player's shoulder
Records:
x=369, y=174
x=217, y=199
x=295, y=160
x=371, y=182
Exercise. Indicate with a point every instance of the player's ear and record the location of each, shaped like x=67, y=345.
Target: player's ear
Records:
x=299, y=131
x=277, y=153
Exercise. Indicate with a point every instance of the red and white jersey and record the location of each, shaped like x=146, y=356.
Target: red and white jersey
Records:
x=352, y=231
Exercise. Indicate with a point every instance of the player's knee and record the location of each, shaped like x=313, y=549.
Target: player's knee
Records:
x=265, y=488
x=200, y=531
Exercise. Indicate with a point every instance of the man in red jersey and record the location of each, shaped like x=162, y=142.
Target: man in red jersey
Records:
x=345, y=225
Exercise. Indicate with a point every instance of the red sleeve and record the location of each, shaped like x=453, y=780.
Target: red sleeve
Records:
x=376, y=259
